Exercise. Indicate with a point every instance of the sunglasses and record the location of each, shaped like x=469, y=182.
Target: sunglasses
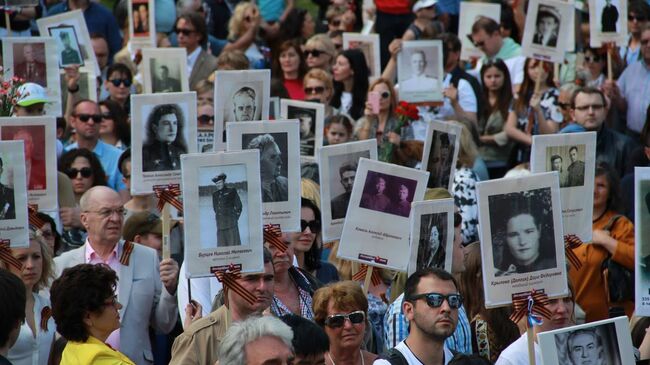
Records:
x=313, y=52
x=564, y=106
x=593, y=59
x=314, y=226
x=385, y=95
x=335, y=23
x=107, y=116
x=314, y=90
x=185, y=32
x=73, y=173
x=118, y=82
x=435, y=300
x=205, y=118
x=636, y=17
x=338, y=320
x=86, y=117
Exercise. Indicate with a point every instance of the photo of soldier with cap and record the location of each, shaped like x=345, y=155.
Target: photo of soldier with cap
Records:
x=227, y=209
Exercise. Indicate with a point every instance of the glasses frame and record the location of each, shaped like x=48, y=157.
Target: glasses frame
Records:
x=314, y=226
x=336, y=318
x=428, y=299
x=85, y=172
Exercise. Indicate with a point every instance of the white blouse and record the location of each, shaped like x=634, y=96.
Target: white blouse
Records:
x=30, y=350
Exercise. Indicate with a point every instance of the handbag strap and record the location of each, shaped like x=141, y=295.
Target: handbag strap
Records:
x=611, y=222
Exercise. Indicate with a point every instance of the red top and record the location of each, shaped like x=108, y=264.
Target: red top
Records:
x=393, y=6
x=295, y=89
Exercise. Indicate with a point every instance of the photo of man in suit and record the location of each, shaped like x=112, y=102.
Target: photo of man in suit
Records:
x=165, y=141
x=163, y=82
x=556, y=165
x=548, y=26
x=609, y=17
x=30, y=68
x=227, y=209
x=244, y=104
x=35, y=169
x=275, y=187
x=7, y=200
x=576, y=170
x=347, y=173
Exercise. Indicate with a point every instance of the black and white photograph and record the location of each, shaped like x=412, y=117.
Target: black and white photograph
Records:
x=419, y=71
x=573, y=156
x=441, y=148
x=521, y=234
x=165, y=70
x=163, y=128
x=221, y=206
x=602, y=342
x=242, y=96
x=547, y=26
x=39, y=141
x=68, y=45
x=469, y=13
x=311, y=116
x=87, y=87
x=376, y=228
x=369, y=45
x=642, y=235
x=546, y=21
x=14, y=225
x=205, y=127
x=337, y=165
x=608, y=23
x=274, y=108
x=279, y=169
x=432, y=234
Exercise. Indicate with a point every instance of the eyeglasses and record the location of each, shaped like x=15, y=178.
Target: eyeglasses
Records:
x=564, y=106
x=435, y=300
x=86, y=117
x=636, y=17
x=118, y=82
x=85, y=172
x=385, y=95
x=338, y=320
x=335, y=23
x=592, y=59
x=313, y=52
x=205, y=118
x=105, y=213
x=107, y=116
x=458, y=219
x=185, y=32
x=314, y=90
x=586, y=107
x=314, y=226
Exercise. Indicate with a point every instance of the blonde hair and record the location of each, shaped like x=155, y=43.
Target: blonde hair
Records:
x=310, y=190
x=47, y=272
x=468, y=150
x=235, y=25
x=365, y=124
x=323, y=43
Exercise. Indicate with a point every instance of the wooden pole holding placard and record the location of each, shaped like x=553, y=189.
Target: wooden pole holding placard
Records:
x=166, y=227
x=531, y=343
x=367, y=281
x=610, y=73
x=556, y=73
x=7, y=23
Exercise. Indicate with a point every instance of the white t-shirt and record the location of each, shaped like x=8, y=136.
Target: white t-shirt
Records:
x=517, y=353
x=466, y=99
x=410, y=357
x=346, y=102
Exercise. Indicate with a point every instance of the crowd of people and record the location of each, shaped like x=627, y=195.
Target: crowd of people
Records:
x=92, y=286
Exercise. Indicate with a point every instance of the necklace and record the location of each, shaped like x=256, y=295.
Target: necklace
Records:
x=360, y=355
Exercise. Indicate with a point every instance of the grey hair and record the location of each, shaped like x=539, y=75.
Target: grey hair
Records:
x=261, y=141
x=569, y=87
x=231, y=350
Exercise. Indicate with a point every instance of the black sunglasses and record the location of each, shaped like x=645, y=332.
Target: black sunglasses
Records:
x=314, y=90
x=85, y=172
x=185, y=32
x=205, y=118
x=385, y=95
x=435, y=300
x=592, y=59
x=338, y=320
x=107, y=116
x=335, y=23
x=314, y=226
x=86, y=117
x=118, y=82
x=636, y=17
x=313, y=52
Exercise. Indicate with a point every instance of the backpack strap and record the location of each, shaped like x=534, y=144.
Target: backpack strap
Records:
x=394, y=357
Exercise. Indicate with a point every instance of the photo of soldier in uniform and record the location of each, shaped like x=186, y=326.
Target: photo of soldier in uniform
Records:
x=388, y=194
x=165, y=76
x=307, y=118
x=68, y=45
x=568, y=161
x=164, y=141
x=227, y=209
x=29, y=62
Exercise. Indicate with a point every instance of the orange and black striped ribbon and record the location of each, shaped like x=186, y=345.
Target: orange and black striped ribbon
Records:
x=375, y=277
x=167, y=194
x=273, y=236
x=46, y=314
x=571, y=242
x=34, y=220
x=127, y=250
x=7, y=257
x=521, y=306
x=228, y=278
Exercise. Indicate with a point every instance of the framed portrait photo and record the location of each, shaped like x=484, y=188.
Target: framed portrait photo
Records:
x=419, y=71
x=601, y=342
x=242, y=96
x=369, y=45
x=470, y=12
x=311, y=116
x=14, y=225
x=522, y=244
x=222, y=208
x=642, y=240
x=165, y=70
x=34, y=59
x=607, y=22
x=67, y=44
x=376, y=229
x=20, y=3
x=337, y=168
x=279, y=168
x=432, y=235
x=274, y=108
x=142, y=24
x=163, y=127
x=440, y=153
x=573, y=156
x=547, y=23
x=39, y=139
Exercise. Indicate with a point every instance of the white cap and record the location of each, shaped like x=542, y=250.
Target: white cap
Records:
x=421, y=4
x=30, y=93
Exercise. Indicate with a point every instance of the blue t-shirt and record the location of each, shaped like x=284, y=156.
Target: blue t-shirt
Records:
x=271, y=10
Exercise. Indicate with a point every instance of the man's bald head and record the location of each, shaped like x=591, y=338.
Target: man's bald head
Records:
x=95, y=195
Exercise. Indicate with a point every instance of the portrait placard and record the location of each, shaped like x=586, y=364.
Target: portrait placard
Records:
x=432, y=234
x=337, y=168
x=20, y=3
x=279, y=168
x=165, y=70
x=311, y=116
x=520, y=228
x=68, y=51
x=242, y=96
x=39, y=140
x=35, y=59
x=642, y=239
x=573, y=156
x=222, y=208
x=274, y=108
x=142, y=24
x=369, y=45
x=470, y=12
x=419, y=71
x=440, y=153
x=87, y=86
x=163, y=127
x=14, y=225
x=547, y=24
x=602, y=342
x=607, y=22
x=376, y=227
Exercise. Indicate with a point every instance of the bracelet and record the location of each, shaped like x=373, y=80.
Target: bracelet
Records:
x=72, y=91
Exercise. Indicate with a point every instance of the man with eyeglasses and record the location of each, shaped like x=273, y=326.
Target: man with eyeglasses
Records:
x=192, y=33
x=637, y=18
x=146, y=287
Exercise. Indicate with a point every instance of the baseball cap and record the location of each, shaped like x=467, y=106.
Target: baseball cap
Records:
x=421, y=4
x=30, y=93
x=141, y=223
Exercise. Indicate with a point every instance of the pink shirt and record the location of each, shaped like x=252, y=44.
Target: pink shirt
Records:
x=114, y=263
